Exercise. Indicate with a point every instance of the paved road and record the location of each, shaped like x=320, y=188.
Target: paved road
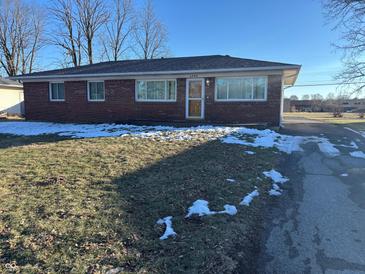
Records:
x=318, y=226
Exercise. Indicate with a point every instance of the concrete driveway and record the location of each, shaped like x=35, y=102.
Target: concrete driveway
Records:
x=318, y=226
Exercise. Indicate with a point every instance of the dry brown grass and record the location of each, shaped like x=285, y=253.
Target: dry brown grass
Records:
x=77, y=206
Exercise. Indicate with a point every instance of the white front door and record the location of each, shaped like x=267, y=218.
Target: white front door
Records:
x=195, y=91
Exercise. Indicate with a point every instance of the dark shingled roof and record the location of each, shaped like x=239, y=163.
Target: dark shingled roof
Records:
x=197, y=63
x=7, y=82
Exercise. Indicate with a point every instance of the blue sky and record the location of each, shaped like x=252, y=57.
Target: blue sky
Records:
x=292, y=31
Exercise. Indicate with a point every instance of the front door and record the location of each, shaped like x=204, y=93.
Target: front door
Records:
x=195, y=98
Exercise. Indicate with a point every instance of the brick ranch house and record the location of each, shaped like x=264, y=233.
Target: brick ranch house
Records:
x=205, y=89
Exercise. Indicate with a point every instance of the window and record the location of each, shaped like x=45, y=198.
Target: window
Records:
x=96, y=91
x=241, y=89
x=57, y=91
x=156, y=90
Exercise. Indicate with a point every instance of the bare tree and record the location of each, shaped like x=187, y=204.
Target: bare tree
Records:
x=118, y=30
x=294, y=98
x=67, y=35
x=21, y=36
x=349, y=18
x=150, y=34
x=305, y=97
x=92, y=14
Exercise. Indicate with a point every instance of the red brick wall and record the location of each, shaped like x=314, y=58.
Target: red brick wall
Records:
x=120, y=105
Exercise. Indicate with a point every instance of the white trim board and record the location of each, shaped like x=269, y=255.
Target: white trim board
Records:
x=156, y=73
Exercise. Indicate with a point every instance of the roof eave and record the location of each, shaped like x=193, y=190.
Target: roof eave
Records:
x=156, y=73
x=291, y=75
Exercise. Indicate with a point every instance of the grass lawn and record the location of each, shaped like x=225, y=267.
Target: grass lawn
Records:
x=91, y=205
x=349, y=119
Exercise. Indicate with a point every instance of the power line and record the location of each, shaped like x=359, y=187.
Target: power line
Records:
x=326, y=84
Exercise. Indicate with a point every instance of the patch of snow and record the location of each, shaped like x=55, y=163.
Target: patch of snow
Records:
x=169, y=231
x=344, y=175
x=199, y=207
x=358, y=154
x=265, y=139
x=114, y=271
x=354, y=145
x=249, y=197
x=273, y=192
x=275, y=176
x=327, y=147
x=229, y=209
x=249, y=152
x=231, y=180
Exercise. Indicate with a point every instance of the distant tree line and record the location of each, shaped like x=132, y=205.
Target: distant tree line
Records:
x=82, y=31
x=332, y=102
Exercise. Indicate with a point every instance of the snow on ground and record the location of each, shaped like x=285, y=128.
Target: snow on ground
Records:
x=358, y=154
x=200, y=207
x=249, y=152
x=352, y=145
x=110, y=130
x=327, y=147
x=230, y=135
x=249, y=197
x=265, y=139
x=228, y=209
x=273, y=192
x=231, y=180
x=344, y=175
x=169, y=231
x=275, y=176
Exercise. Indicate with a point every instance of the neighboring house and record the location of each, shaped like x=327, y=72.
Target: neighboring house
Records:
x=205, y=89
x=11, y=97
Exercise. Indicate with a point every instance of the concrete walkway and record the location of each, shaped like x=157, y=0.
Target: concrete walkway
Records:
x=318, y=226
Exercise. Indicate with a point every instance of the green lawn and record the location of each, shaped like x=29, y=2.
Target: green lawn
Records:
x=91, y=205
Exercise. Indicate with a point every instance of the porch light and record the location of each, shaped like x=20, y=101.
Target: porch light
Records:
x=207, y=82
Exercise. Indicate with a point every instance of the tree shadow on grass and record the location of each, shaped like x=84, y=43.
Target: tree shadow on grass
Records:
x=210, y=244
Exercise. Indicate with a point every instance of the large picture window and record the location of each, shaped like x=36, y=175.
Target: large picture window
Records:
x=156, y=90
x=96, y=91
x=241, y=89
x=57, y=91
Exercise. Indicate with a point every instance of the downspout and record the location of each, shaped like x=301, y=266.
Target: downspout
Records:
x=282, y=101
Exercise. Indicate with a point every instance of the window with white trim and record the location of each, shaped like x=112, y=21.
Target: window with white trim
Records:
x=96, y=91
x=57, y=91
x=241, y=89
x=156, y=90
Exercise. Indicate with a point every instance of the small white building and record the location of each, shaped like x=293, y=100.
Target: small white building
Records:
x=11, y=97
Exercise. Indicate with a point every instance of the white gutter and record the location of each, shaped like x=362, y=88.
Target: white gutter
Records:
x=131, y=74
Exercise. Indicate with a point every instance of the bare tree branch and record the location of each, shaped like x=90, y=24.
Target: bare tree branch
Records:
x=150, y=35
x=91, y=14
x=66, y=35
x=349, y=18
x=21, y=36
x=115, y=40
